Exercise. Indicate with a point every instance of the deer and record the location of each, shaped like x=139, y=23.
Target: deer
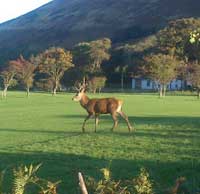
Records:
x=97, y=106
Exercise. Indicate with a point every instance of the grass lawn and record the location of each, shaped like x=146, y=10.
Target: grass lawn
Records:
x=48, y=129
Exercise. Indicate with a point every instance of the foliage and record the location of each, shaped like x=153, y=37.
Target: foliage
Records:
x=195, y=37
x=162, y=69
x=194, y=77
x=48, y=187
x=106, y=185
x=54, y=62
x=45, y=84
x=88, y=56
x=2, y=173
x=23, y=176
x=96, y=83
x=193, y=44
x=173, y=39
x=99, y=52
x=8, y=75
x=81, y=57
x=25, y=72
x=142, y=184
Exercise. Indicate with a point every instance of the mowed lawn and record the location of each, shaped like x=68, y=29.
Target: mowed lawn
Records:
x=45, y=129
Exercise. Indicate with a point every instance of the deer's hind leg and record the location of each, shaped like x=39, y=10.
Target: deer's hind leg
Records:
x=115, y=120
x=123, y=115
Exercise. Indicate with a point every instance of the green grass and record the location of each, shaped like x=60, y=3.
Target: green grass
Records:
x=48, y=129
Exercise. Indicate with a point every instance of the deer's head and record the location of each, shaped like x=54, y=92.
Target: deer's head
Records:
x=80, y=92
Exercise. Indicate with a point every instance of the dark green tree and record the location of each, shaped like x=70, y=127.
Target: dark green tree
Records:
x=194, y=77
x=173, y=39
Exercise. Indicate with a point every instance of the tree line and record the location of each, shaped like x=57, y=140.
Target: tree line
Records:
x=171, y=53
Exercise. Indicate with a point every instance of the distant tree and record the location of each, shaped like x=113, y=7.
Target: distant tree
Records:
x=54, y=62
x=194, y=77
x=25, y=72
x=193, y=46
x=183, y=70
x=162, y=69
x=97, y=83
x=122, y=70
x=82, y=61
x=124, y=60
x=89, y=56
x=173, y=39
x=8, y=76
x=44, y=84
x=99, y=52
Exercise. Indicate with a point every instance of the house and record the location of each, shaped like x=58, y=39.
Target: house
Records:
x=148, y=84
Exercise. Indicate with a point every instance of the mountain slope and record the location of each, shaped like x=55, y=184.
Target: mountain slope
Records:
x=67, y=22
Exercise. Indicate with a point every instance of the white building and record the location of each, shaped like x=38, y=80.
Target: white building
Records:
x=147, y=84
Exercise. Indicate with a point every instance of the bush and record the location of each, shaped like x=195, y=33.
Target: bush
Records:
x=96, y=83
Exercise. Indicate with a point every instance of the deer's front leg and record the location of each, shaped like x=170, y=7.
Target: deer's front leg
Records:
x=88, y=117
x=96, y=122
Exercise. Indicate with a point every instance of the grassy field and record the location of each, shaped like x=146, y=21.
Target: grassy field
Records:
x=48, y=129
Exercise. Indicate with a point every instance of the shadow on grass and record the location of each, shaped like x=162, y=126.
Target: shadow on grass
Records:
x=161, y=120
x=174, y=122
x=65, y=167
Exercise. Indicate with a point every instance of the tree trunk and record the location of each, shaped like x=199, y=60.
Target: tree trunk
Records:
x=94, y=91
x=122, y=81
x=27, y=92
x=161, y=90
x=4, y=93
x=198, y=93
x=164, y=90
x=182, y=86
x=54, y=91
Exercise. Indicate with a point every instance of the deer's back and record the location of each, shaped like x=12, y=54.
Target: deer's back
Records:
x=103, y=105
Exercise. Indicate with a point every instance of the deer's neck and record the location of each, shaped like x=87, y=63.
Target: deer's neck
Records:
x=84, y=101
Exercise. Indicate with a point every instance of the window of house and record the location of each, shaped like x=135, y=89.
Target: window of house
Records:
x=148, y=83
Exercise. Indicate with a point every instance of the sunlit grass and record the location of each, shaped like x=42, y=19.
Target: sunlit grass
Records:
x=47, y=129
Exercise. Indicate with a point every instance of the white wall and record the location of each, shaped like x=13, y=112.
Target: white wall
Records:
x=151, y=85
x=133, y=84
x=146, y=84
x=175, y=85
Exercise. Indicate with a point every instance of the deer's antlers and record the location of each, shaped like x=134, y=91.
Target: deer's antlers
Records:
x=81, y=86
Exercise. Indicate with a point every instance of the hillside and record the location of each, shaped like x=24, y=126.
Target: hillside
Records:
x=67, y=22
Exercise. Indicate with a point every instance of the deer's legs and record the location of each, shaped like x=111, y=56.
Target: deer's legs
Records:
x=123, y=115
x=115, y=120
x=96, y=122
x=83, y=127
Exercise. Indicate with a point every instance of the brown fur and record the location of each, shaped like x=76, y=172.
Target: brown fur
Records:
x=95, y=107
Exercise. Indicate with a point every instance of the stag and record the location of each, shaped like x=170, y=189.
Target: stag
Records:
x=96, y=106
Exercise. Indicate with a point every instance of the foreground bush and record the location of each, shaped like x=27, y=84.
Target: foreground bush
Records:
x=25, y=176
x=139, y=185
